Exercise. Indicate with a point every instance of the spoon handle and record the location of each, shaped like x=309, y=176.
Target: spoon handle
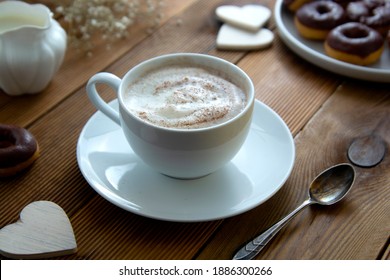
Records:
x=253, y=247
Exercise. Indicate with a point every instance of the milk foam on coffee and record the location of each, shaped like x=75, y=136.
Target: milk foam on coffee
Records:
x=184, y=97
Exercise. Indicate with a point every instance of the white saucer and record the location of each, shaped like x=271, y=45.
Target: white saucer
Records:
x=256, y=173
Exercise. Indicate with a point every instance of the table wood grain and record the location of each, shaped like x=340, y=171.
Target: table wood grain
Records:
x=324, y=111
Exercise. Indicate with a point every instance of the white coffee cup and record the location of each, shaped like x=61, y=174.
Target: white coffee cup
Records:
x=184, y=153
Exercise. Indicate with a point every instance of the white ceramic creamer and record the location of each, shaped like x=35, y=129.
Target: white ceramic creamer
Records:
x=32, y=47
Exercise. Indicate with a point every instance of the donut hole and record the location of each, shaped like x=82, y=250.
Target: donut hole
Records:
x=6, y=141
x=355, y=33
x=323, y=9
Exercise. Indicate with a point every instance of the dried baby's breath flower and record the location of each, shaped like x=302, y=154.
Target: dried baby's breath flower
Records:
x=88, y=21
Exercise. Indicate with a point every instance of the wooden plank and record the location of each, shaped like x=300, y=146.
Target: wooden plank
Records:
x=104, y=231
x=386, y=253
x=188, y=32
x=356, y=228
x=288, y=84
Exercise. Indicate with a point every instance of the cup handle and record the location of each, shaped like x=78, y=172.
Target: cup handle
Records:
x=112, y=81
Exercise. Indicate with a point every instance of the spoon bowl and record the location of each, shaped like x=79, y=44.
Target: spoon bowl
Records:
x=329, y=187
x=332, y=185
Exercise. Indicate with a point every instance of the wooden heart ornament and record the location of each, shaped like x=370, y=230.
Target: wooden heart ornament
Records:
x=43, y=231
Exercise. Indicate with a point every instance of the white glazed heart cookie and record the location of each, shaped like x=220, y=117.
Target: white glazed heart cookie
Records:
x=232, y=38
x=249, y=17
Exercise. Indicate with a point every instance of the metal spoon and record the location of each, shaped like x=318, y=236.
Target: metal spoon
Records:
x=327, y=188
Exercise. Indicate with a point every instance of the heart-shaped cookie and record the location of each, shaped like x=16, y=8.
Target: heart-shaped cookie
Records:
x=43, y=231
x=249, y=17
x=232, y=38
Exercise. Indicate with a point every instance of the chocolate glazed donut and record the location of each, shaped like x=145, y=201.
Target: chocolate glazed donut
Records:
x=355, y=43
x=18, y=149
x=373, y=13
x=314, y=20
x=379, y=20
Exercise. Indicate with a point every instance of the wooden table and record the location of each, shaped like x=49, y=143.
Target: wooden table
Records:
x=324, y=111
